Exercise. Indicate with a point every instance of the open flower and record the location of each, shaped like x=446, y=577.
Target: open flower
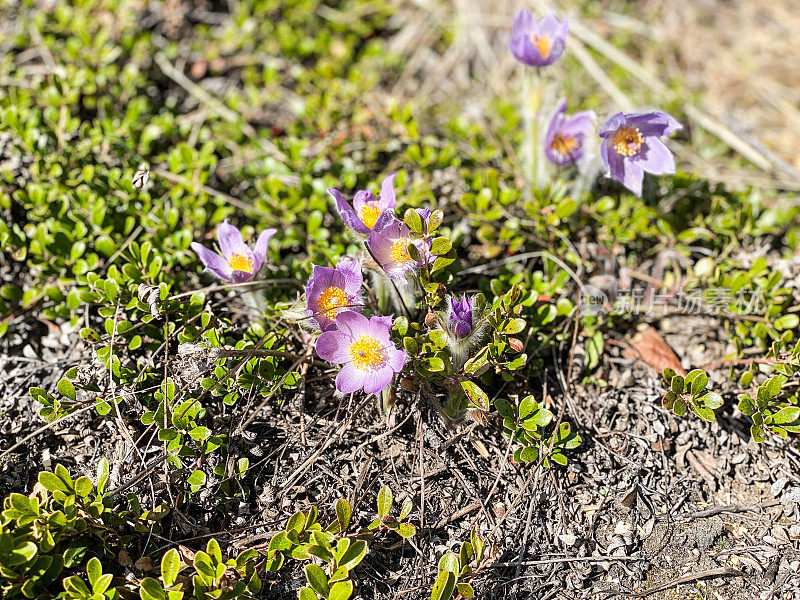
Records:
x=459, y=316
x=538, y=44
x=388, y=245
x=330, y=291
x=362, y=216
x=566, y=136
x=235, y=262
x=631, y=146
x=364, y=347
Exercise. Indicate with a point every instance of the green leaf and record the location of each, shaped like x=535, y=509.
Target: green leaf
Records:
x=406, y=530
x=384, y=501
x=170, y=565
x=444, y=586
x=773, y=385
x=200, y=433
x=102, y=475
x=413, y=220
x=150, y=589
x=711, y=400
x=746, y=405
x=212, y=548
x=343, y=513
x=440, y=246
x=197, y=478
x=514, y=326
x=405, y=510
x=94, y=569
x=307, y=593
x=788, y=414
x=699, y=382
x=341, y=590
x=317, y=580
x=22, y=553
x=476, y=395
x=466, y=590
x=449, y=562
x=52, y=482
x=354, y=555
x=65, y=388
x=438, y=337
x=677, y=384
x=789, y=321
x=83, y=486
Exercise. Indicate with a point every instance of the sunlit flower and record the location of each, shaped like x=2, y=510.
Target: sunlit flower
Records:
x=460, y=316
x=538, y=44
x=389, y=243
x=235, y=262
x=566, y=136
x=365, y=349
x=363, y=214
x=330, y=291
x=631, y=146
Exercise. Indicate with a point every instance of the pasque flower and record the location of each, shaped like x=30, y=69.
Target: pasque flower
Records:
x=631, y=146
x=365, y=349
x=538, y=44
x=332, y=290
x=388, y=243
x=235, y=262
x=459, y=316
x=566, y=136
x=363, y=214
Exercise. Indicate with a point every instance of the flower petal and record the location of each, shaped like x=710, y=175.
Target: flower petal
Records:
x=579, y=123
x=610, y=126
x=347, y=213
x=523, y=23
x=361, y=199
x=387, y=198
x=397, y=359
x=352, y=323
x=212, y=261
x=349, y=379
x=654, y=157
x=353, y=278
x=333, y=346
x=632, y=177
x=261, y=248
x=230, y=240
x=653, y=123
x=378, y=380
x=241, y=276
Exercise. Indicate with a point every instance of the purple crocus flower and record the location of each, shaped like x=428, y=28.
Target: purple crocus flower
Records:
x=631, y=146
x=364, y=347
x=564, y=144
x=329, y=290
x=362, y=216
x=538, y=44
x=235, y=262
x=388, y=244
x=459, y=316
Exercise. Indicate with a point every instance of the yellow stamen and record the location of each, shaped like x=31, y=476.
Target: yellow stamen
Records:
x=542, y=44
x=330, y=300
x=564, y=144
x=627, y=140
x=399, y=251
x=240, y=262
x=369, y=213
x=367, y=353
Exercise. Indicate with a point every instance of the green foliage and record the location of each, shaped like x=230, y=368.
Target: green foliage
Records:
x=456, y=570
x=690, y=392
x=303, y=538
